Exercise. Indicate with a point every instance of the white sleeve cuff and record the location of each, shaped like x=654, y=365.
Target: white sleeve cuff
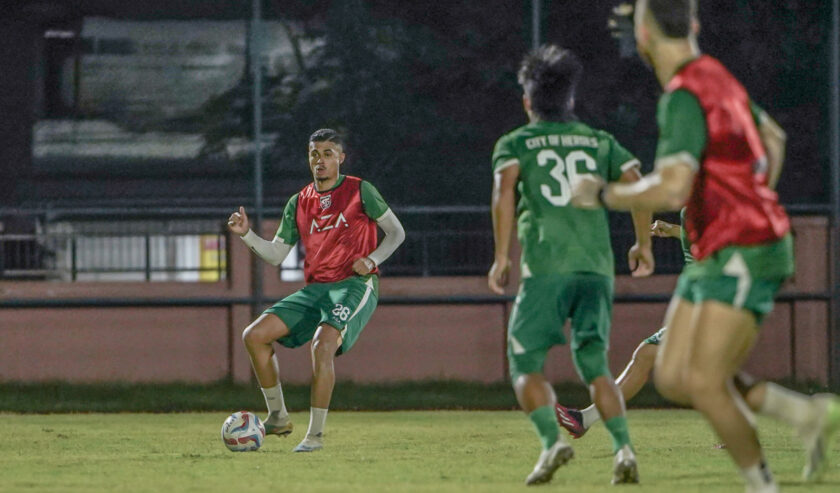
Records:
x=507, y=164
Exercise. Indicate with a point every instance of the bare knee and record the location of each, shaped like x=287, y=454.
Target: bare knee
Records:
x=253, y=337
x=323, y=350
x=264, y=331
x=325, y=344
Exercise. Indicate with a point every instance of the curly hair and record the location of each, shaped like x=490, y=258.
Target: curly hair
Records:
x=549, y=76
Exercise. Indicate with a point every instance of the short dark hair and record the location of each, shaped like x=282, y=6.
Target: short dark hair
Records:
x=549, y=77
x=327, y=135
x=673, y=17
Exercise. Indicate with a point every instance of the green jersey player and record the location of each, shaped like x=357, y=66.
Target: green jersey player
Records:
x=712, y=157
x=567, y=261
x=335, y=218
x=637, y=371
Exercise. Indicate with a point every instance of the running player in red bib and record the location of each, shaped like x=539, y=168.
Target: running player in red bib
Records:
x=799, y=411
x=713, y=157
x=335, y=218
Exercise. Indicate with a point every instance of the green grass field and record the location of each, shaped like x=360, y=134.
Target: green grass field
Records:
x=439, y=451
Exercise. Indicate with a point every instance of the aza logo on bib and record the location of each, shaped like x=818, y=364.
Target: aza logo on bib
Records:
x=328, y=222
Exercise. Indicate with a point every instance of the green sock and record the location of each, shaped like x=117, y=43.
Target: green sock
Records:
x=617, y=426
x=545, y=424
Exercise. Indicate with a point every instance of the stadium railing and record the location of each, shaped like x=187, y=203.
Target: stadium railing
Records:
x=189, y=244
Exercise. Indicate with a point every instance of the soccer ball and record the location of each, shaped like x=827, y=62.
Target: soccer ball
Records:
x=243, y=432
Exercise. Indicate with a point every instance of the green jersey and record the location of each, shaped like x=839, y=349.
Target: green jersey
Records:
x=552, y=156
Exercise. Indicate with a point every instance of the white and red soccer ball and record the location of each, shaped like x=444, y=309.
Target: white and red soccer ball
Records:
x=243, y=432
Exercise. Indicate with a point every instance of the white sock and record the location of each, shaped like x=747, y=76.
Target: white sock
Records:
x=274, y=401
x=759, y=478
x=590, y=416
x=790, y=407
x=317, y=420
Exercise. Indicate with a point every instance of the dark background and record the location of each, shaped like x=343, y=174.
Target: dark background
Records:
x=422, y=89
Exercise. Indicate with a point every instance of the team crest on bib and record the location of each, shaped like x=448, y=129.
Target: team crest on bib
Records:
x=326, y=201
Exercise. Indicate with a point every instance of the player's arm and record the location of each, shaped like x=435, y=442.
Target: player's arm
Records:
x=666, y=189
x=681, y=143
x=503, y=209
x=376, y=208
x=640, y=256
x=774, y=139
x=394, y=236
x=273, y=252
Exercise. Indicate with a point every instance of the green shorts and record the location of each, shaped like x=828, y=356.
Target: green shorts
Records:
x=746, y=277
x=656, y=338
x=346, y=305
x=540, y=312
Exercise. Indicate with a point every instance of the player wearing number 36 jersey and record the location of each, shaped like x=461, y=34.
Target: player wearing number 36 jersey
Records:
x=567, y=260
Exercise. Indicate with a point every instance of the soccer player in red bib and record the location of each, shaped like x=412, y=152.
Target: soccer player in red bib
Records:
x=335, y=218
x=712, y=157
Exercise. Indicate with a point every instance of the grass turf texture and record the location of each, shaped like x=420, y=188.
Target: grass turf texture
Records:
x=434, y=451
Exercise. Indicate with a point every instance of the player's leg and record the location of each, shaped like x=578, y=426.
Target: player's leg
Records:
x=536, y=397
x=346, y=307
x=299, y=315
x=637, y=372
x=259, y=340
x=533, y=391
x=325, y=344
x=630, y=382
x=535, y=326
x=591, y=313
x=816, y=418
x=772, y=400
x=723, y=340
x=670, y=366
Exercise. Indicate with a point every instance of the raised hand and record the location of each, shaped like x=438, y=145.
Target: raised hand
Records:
x=238, y=222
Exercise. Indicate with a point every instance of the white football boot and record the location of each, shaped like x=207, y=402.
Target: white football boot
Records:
x=550, y=459
x=625, y=469
x=819, y=437
x=275, y=425
x=310, y=443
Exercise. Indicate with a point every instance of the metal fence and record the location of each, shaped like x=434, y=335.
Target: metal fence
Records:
x=439, y=241
x=114, y=257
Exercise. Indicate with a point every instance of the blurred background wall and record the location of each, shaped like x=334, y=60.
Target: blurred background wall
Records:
x=128, y=136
